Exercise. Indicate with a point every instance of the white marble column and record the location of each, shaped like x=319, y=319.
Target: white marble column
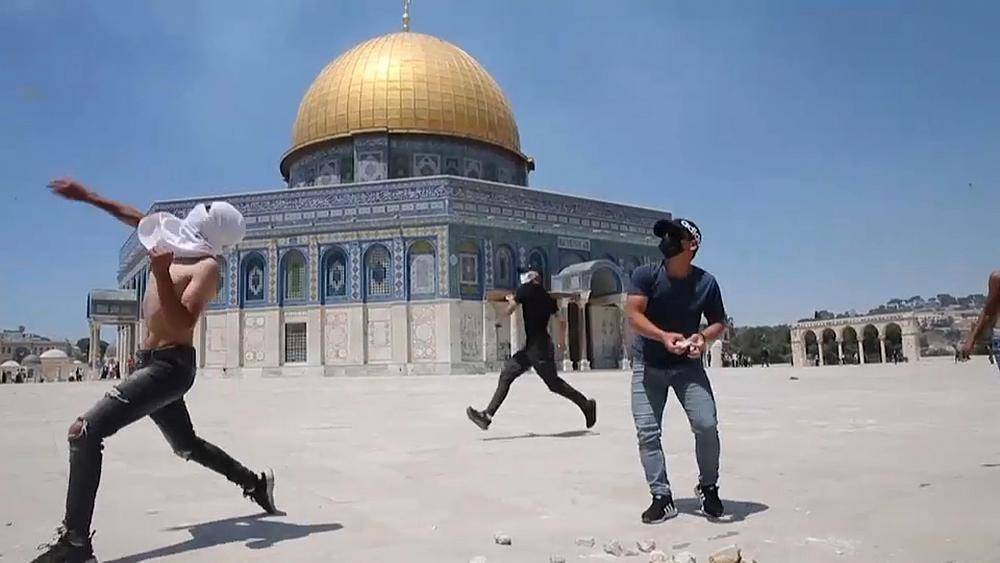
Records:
x=840, y=351
x=517, y=336
x=625, y=342
x=584, y=336
x=881, y=341
x=861, y=351
x=95, y=344
x=567, y=362
x=819, y=349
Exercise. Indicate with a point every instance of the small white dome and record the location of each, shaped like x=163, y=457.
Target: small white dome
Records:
x=10, y=364
x=54, y=354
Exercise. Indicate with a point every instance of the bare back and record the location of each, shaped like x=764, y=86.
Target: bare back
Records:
x=196, y=283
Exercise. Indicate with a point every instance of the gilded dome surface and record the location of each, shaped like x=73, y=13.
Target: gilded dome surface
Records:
x=405, y=83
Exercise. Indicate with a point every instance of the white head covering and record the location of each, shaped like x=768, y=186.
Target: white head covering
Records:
x=204, y=232
x=528, y=276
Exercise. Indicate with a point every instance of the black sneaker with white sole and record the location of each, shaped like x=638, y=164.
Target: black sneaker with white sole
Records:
x=479, y=418
x=66, y=547
x=711, y=504
x=263, y=492
x=661, y=510
x=590, y=412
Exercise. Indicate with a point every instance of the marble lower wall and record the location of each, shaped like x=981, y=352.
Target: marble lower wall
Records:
x=419, y=337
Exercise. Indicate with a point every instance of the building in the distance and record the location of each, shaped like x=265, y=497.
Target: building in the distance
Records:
x=861, y=339
x=407, y=213
x=18, y=344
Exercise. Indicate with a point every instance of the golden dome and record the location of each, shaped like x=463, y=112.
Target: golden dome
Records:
x=405, y=83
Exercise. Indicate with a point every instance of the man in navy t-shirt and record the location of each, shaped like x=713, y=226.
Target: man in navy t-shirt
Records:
x=666, y=303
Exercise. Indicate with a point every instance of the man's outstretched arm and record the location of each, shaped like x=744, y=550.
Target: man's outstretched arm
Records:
x=75, y=191
x=987, y=317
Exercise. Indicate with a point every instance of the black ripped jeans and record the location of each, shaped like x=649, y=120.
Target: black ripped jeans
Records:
x=539, y=354
x=155, y=389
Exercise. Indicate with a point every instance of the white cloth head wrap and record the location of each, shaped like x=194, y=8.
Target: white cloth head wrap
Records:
x=528, y=276
x=204, y=232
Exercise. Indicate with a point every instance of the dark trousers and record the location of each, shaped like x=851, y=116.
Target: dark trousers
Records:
x=541, y=356
x=156, y=389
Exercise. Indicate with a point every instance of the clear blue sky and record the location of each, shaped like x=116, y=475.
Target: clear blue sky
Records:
x=826, y=148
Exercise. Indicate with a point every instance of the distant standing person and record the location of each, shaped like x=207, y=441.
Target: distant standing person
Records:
x=765, y=358
x=666, y=302
x=987, y=319
x=185, y=275
x=538, y=353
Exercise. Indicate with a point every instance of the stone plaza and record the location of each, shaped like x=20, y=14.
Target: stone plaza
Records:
x=850, y=463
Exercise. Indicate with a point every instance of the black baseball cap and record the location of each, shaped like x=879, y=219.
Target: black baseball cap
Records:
x=683, y=227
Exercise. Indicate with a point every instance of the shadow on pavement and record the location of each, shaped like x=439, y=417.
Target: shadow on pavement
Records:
x=736, y=510
x=567, y=434
x=256, y=532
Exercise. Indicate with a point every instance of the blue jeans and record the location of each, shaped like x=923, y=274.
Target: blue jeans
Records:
x=650, y=387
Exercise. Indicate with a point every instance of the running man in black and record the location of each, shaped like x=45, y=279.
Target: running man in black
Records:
x=538, y=353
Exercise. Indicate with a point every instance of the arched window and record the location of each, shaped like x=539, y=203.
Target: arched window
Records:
x=421, y=268
x=468, y=266
x=568, y=258
x=253, y=279
x=223, y=290
x=334, y=274
x=378, y=272
x=538, y=261
x=293, y=277
x=504, y=267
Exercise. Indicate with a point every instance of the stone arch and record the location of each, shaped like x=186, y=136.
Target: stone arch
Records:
x=293, y=276
x=893, y=335
x=253, y=279
x=850, y=345
x=605, y=281
x=870, y=335
x=810, y=347
x=828, y=345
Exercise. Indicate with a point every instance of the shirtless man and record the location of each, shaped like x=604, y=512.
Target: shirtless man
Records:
x=987, y=318
x=178, y=291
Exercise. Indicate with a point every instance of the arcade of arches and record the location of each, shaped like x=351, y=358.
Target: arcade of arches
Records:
x=856, y=340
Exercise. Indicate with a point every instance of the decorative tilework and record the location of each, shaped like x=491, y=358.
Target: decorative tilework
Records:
x=233, y=262
x=313, y=269
x=398, y=268
x=272, y=263
x=393, y=203
x=355, y=250
x=488, y=264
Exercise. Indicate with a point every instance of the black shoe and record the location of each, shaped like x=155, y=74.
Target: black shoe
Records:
x=711, y=505
x=590, y=411
x=66, y=548
x=263, y=492
x=662, y=509
x=479, y=418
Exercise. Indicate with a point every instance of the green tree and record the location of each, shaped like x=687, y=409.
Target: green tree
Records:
x=84, y=345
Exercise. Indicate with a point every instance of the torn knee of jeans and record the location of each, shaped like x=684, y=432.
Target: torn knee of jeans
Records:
x=116, y=394
x=78, y=430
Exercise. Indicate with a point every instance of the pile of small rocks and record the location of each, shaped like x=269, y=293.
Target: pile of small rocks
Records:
x=615, y=548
